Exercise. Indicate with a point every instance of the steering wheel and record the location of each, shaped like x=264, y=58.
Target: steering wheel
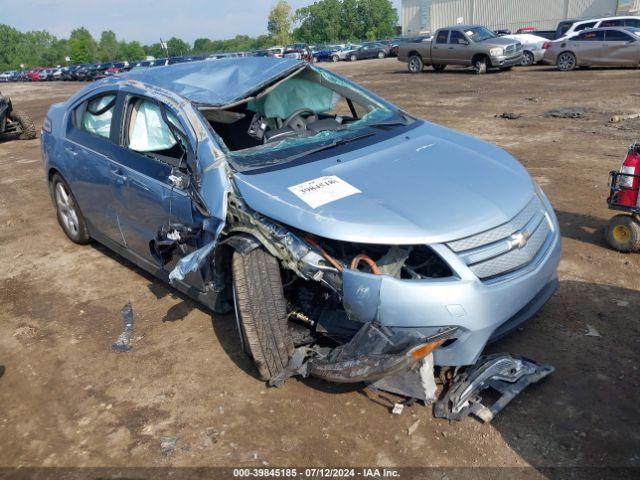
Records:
x=296, y=121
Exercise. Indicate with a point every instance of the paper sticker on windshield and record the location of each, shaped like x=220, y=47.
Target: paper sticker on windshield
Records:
x=323, y=190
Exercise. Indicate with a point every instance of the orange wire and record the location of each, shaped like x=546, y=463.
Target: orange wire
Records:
x=328, y=257
x=366, y=259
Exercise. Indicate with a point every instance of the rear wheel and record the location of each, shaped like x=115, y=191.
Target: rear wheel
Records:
x=439, y=67
x=69, y=215
x=527, y=59
x=381, y=55
x=353, y=58
x=261, y=310
x=566, y=62
x=335, y=58
x=27, y=128
x=415, y=64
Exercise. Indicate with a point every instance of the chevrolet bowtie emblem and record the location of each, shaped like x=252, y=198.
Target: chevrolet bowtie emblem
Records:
x=519, y=239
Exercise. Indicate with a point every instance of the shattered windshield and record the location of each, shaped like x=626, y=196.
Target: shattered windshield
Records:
x=309, y=111
x=479, y=34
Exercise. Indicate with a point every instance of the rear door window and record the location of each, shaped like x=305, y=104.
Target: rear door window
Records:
x=95, y=115
x=616, y=36
x=612, y=23
x=442, y=36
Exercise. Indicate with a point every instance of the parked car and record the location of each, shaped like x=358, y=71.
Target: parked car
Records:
x=571, y=27
x=46, y=74
x=343, y=53
x=6, y=76
x=326, y=53
x=367, y=51
x=273, y=200
x=605, y=47
x=276, y=52
x=33, y=75
x=532, y=47
x=466, y=45
x=298, y=51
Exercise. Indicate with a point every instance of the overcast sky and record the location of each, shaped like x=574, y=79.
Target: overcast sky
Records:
x=144, y=20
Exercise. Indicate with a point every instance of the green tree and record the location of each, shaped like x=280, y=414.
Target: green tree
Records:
x=177, y=47
x=131, y=51
x=108, y=47
x=320, y=22
x=378, y=18
x=10, y=51
x=202, y=45
x=154, y=50
x=82, y=46
x=280, y=22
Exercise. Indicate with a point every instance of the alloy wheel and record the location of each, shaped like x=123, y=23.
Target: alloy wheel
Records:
x=67, y=210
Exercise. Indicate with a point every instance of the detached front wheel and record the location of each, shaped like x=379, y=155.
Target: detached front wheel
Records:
x=27, y=128
x=623, y=233
x=261, y=310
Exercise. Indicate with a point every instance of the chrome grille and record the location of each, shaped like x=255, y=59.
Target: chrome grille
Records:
x=507, y=247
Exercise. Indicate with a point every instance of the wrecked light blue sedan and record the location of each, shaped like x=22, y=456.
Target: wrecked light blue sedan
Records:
x=338, y=226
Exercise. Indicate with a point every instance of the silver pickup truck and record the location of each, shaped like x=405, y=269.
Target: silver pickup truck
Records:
x=466, y=45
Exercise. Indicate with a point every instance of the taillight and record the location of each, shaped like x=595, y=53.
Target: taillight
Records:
x=546, y=46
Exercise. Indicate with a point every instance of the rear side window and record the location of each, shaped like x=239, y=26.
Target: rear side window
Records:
x=597, y=36
x=442, y=36
x=584, y=26
x=95, y=115
x=612, y=23
x=616, y=36
x=632, y=22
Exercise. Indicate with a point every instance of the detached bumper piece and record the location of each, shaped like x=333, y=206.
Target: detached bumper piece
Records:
x=373, y=353
x=507, y=374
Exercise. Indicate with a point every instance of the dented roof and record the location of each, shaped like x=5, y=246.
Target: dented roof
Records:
x=217, y=82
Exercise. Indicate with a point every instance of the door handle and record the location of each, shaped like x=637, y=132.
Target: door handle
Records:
x=71, y=151
x=118, y=175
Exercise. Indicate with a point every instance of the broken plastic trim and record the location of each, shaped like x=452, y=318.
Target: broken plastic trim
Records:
x=122, y=343
x=373, y=353
x=507, y=374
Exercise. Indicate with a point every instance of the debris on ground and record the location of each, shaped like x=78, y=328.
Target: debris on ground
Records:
x=566, y=112
x=122, y=344
x=397, y=408
x=212, y=433
x=168, y=445
x=507, y=374
x=592, y=332
x=509, y=115
x=413, y=427
x=621, y=117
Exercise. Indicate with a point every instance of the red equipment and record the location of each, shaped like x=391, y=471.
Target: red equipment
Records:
x=629, y=181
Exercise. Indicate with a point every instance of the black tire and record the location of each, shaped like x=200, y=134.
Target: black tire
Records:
x=480, y=65
x=566, y=62
x=353, y=58
x=80, y=234
x=439, y=67
x=623, y=233
x=262, y=311
x=335, y=58
x=381, y=55
x=28, y=129
x=414, y=64
x=527, y=59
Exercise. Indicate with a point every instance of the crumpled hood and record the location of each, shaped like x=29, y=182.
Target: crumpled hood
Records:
x=429, y=185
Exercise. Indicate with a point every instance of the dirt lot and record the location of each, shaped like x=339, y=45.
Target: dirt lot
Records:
x=67, y=400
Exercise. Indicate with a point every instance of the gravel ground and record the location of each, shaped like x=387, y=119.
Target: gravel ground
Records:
x=66, y=399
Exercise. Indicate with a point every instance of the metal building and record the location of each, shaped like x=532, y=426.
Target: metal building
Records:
x=418, y=16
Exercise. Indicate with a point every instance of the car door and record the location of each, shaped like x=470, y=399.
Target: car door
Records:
x=440, y=48
x=458, y=48
x=88, y=150
x=620, y=48
x=146, y=198
x=588, y=47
